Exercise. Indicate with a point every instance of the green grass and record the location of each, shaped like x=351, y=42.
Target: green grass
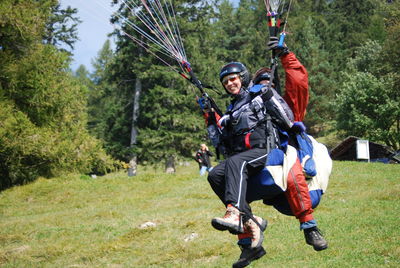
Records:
x=77, y=221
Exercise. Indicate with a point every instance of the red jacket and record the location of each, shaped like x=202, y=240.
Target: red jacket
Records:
x=296, y=85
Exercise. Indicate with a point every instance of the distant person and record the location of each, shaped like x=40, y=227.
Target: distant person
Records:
x=203, y=158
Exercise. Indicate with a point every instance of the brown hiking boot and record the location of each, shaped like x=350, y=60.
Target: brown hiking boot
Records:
x=232, y=221
x=255, y=230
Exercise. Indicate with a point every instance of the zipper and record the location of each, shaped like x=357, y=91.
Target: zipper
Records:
x=298, y=190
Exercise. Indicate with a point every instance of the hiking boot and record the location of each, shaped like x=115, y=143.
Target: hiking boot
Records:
x=314, y=238
x=255, y=230
x=248, y=255
x=232, y=221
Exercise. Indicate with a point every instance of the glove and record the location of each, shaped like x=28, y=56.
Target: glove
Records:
x=204, y=103
x=298, y=127
x=273, y=45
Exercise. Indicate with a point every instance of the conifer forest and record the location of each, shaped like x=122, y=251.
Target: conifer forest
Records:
x=137, y=108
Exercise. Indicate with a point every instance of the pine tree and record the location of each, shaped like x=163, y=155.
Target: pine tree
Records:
x=347, y=28
x=42, y=107
x=369, y=101
x=61, y=27
x=306, y=19
x=168, y=123
x=98, y=89
x=241, y=34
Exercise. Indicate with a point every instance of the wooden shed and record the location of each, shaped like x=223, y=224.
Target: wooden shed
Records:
x=347, y=150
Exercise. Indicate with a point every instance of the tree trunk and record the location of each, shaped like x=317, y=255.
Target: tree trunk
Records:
x=135, y=113
x=170, y=164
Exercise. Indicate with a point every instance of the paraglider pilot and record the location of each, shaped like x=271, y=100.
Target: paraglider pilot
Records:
x=251, y=129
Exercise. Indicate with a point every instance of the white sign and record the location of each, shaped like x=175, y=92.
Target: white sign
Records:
x=363, y=149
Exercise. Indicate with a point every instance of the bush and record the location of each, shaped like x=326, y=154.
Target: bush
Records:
x=27, y=151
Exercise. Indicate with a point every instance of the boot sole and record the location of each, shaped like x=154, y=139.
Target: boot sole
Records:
x=243, y=263
x=223, y=226
x=316, y=248
x=233, y=229
x=320, y=248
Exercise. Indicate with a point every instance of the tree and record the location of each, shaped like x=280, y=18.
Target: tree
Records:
x=368, y=102
x=98, y=91
x=391, y=45
x=61, y=27
x=307, y=44
x=373, y=79
x=42, y=107
x=241, y=34
x=21, y=24
x=168, y=120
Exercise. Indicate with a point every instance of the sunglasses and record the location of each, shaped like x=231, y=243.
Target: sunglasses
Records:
x=228, y=78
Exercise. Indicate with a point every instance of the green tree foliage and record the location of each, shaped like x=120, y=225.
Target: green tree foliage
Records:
x=99, y=91
x=241, y=34
x=21, y=23
x=111, y=98
x=169, y=120
x=303, y=39
x=43, y=108
x=370, y=94
x=369, y=103
x=348, y=27
x=323, y=34
x=350, y=48
x=391, y=45
x=61, y=26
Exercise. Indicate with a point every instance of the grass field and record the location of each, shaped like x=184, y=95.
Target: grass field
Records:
x=78, y=221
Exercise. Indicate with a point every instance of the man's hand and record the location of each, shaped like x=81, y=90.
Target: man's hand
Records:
x=273, y=44
x=204, y=103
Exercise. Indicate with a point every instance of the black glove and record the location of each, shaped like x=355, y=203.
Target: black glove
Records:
x=298, y=127
x=273, y=45
x=273, y=42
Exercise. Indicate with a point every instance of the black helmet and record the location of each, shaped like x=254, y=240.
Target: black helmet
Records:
x=233, y=68
x=262, y=74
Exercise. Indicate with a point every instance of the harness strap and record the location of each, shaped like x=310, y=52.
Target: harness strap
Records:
x=255, y=146
x=247, y=140
x=260, y=146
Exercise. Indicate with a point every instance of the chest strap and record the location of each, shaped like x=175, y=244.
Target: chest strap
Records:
x=247, y=143
x=247, y=140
